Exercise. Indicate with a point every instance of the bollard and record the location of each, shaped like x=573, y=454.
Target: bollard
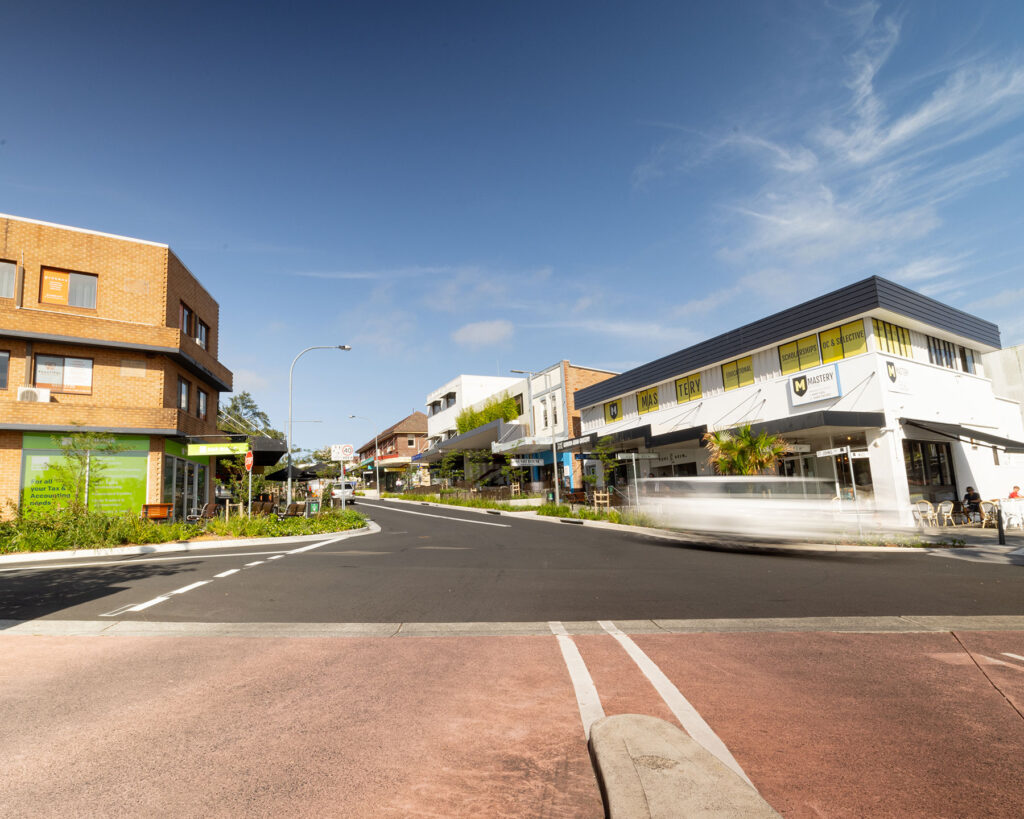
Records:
x=999, y=526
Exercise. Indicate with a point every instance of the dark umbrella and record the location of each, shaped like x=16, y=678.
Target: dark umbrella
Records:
x=297, y=474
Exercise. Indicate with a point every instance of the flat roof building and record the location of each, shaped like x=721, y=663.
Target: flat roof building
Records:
x=106, y=334
x=890, y=373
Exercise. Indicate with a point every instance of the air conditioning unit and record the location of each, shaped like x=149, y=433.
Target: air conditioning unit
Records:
x=39, y=395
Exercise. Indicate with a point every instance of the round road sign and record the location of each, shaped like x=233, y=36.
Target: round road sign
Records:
x=248, y=461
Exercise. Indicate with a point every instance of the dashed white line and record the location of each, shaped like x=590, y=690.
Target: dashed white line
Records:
x=227, y=573
x=148, y=603
x=687, y=715
x=254, y=563
x=275, y=557
x=587, y=697
x=184, y=589
x=1015, y=656
x=444, y=517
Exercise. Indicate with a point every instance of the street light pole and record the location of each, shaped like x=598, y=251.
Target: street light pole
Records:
x=291, y=370
x=554, y=452
x=376, y=452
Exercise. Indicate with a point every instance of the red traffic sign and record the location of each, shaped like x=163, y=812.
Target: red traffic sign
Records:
x=248, y=461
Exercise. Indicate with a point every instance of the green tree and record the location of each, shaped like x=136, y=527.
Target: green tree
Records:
x=242, y=415
x=603, y=452
x=504, y=408
x=743, y=452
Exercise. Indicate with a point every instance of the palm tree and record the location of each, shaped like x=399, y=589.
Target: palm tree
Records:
x=742, y=452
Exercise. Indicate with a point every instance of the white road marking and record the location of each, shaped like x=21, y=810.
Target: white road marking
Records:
x=275, y=557
x=445, y=517
x=254, y=563
x=184, y=589
x=586, y=692
x=227, y=573
x=19, y=567
x=148, y=603
x=117, y=611
x=317, y=545
x=692, y=722
x=1015, y=656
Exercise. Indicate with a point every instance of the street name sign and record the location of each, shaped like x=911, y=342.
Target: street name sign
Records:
x=527, y=462
x=828, y=453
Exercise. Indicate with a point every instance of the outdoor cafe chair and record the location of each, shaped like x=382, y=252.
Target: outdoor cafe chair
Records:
x=1013, y=513
x=208, y=512
x=946, y=512
x=926, y=513
x=989, y=510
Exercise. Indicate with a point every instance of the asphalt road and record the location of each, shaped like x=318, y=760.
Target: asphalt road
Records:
x=452, y=664
x=431, y=565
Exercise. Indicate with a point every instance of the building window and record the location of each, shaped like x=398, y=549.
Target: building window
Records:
x=185, y=319
x=952, y=356
x=688, y=388
x=8, y=273
x=410, y=442
x=70, y=289
x=554, y=413
x=519, y=404
x=892, y=339
x=5, y=364
x=544, y=406
x=842, y=342
x=967, y=361
x=201, y=399
x=738, y=373
x=202, y=335
x=183, y=394
x=799, y=355
x=63, y=374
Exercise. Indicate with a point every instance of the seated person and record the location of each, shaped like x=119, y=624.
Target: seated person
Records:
x=1015, y=493
x=972, y=501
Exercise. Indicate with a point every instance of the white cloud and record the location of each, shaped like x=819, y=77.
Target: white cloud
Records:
x=483, y=333
x=249, y=381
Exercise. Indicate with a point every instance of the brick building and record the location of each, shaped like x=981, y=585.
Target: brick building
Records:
x=393, y=449
x=108, y=334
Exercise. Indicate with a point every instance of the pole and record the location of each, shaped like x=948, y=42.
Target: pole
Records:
x=376, y=462
x=290, y=373
x=342, y=486
x=554, y=451
x=636, y=486
x=853, y=483
x=250, y=492
x=88, y=461
x=999, y=525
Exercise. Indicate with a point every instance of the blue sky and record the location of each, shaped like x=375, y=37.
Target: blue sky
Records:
x=473, y=187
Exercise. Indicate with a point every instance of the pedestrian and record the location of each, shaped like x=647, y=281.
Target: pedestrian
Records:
x=972, y=502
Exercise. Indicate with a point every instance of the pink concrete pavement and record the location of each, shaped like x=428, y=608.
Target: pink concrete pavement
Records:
x=824, y=724
x=147, y=726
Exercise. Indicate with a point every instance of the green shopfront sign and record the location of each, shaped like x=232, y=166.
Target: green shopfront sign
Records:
x=199, y=450
x=119, y=480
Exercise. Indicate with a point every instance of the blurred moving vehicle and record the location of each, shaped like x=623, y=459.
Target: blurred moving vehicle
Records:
x=758, y=506
x=346, y=491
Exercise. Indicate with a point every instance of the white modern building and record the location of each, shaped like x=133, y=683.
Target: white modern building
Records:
x=891, y=378
x=446, y=402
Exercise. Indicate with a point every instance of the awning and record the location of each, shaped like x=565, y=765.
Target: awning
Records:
x=480, y=438
x=833, y=420
x=956, y=432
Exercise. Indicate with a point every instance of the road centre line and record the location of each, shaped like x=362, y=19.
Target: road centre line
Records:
x=184, y=589
x=587, y=698
x=444, y=517
x=1015, y=656
x=135, y=560
x=687, y=715
x=148, y=603
x=275, y=557
x=254, y=563
x=227, y=573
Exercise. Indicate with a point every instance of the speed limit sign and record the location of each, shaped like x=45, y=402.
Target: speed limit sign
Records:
x=342, y=452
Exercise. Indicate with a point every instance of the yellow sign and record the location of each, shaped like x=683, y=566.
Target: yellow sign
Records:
x=688, y=388
x=647, y=400
x=843, y=341
x=613, y=411
x=54, y=288
x=738, y=373
x=799, y=355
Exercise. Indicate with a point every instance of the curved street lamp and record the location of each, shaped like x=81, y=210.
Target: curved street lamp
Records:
x=376, y=452
x=290, y=371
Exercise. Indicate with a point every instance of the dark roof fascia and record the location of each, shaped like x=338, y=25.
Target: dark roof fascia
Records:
x=958, y=433
x=171, y=433
x=678, y=436
x=174, y=353
x=821, y=418
x=847, y=302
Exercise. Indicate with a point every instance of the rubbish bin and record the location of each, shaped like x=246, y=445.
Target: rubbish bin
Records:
x=312, y=508
x=551, y=497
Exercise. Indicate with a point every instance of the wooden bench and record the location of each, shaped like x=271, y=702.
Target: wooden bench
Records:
x=156, y=511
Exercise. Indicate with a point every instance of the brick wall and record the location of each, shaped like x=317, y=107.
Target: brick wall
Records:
x=10, y=469
x=576, y=378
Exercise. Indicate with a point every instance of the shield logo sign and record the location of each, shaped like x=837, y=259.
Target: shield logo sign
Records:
x=800, y=386
x=890, y=368
x=613, y=411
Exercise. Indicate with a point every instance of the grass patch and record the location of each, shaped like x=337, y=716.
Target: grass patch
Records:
x=62, y=529
x=474, y=503
x=623, y=516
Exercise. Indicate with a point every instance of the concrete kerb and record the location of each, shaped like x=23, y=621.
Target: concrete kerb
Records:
x=679, y=537
x=184, y=546
x=648, y=769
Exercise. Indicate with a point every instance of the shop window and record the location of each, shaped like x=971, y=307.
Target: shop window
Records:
x=63, y=374
x=201, y=399
x=70, y=289
x=799, y=355
x=930, y=472
x=738, y=373
x=184, y=388
x=842, y=342
x=202, y=335
x=5, y=365
x=892, y=339
x=8, y=274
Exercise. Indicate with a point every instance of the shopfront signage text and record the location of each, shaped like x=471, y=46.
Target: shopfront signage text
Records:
x=196, y=450
x=647, y=401
x=815, y=385
x=688, y=388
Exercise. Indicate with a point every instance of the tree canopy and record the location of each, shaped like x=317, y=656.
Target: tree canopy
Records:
x=742, y=452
